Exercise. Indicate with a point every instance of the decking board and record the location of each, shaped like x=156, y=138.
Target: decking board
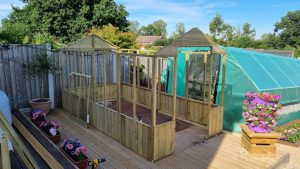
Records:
x=222, y=151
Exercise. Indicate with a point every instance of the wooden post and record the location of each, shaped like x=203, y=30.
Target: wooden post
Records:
x=148, y=72
x=174, y=85
x=105, y=74
x=68, y=70
x=187, y=57
x=5, y=160
x=119, y=81
x=134, y=88
x=211, y=125
x=223, y=79
x=204, y=76
x=129, y=82
x=159, y=83
x=94, y=69
x=154, y=85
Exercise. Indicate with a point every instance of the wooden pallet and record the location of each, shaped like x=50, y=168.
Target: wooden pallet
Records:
x=259, y=143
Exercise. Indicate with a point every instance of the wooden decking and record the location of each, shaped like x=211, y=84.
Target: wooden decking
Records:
x=223, y=151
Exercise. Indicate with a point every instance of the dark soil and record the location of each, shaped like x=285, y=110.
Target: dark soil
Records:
x=145, y=115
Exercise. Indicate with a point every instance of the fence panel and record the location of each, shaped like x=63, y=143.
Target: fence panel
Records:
x=16, y=82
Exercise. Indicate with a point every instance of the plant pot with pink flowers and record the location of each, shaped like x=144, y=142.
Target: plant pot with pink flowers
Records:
x=37, y=117
x=50, y=128
x=75, y=151
x=261, y=111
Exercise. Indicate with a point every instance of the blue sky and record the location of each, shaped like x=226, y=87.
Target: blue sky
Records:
x=261, y=14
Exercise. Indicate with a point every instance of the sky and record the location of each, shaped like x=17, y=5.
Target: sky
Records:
x=261, y=14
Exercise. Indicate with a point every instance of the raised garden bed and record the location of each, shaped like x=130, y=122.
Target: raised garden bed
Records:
x=291, y=133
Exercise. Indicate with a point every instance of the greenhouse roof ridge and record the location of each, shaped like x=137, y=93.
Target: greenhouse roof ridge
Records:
x=193, y=38
x=91, y=41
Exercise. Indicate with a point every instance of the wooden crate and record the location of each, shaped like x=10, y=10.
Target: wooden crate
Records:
x=259, y=143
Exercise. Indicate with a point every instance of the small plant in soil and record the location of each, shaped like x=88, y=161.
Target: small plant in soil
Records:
x=38, y=116
x=290, y=133
x=74, y=149
x=50, y=128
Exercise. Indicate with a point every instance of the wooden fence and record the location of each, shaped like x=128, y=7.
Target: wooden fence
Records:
x=16, y=82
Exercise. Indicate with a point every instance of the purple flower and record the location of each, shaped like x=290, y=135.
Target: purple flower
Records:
x=70, y=146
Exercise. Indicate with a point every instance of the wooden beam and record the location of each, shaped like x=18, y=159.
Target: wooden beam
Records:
x=68, y=70
x=204, y=76
x=223, y=79
x=129, y=67
x=174, y=85
x=159, y=83
x=134, y=89
x=5, y=160
x=118, y=57
x=187, y=57
x=18, y=144
x=47, y=157
x=148, y=72
x=105, y=74
x=94, y=74
x=154, y=85
x=211, y=125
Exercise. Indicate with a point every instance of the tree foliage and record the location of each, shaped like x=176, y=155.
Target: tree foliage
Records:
x=66, y=20
x=134, y=26
x=115, y=36
x=157, y=28
x=179, y=31
x=288, y=28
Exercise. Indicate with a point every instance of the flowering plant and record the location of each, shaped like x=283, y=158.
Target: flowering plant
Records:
x=74, y=149
x=38, y=115
x=261, y=109
x=290, y=133
x=50, y=127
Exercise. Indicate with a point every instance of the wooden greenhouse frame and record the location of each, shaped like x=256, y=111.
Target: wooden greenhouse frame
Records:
x=80, y=62
x=93, y=77
x=202, y=112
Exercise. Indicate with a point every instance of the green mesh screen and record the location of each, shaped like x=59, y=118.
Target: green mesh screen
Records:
x=257, y=72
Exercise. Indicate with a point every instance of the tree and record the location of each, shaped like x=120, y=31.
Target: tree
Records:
x=180, y=30
x=216, y=27
x=157, y=28
x=115, y=36
x=271, y=41
x=288, y=28
x=247, y=31
x=161, y=26
x=221, y=32
x=67, y=20
x=134, y=26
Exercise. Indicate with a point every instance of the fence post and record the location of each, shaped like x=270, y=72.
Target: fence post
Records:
x=50, y=78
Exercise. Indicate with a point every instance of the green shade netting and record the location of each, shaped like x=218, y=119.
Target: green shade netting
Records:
x=257, y=72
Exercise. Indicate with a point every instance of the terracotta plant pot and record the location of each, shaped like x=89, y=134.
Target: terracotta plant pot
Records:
x=36, y=123
x=55, y=139
x=41, y=103
x=81, y=164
